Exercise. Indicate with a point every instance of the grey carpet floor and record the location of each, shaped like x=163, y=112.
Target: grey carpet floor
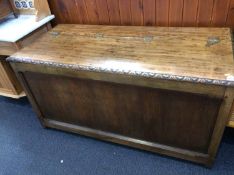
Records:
x=28, y=149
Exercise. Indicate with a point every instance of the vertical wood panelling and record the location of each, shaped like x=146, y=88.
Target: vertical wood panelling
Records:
x=220, y=12
x=145, y=12
x=176, y=12
x=205, y=9
x=56, y=10
x=103, y=12
x=149, y=12
x=82, y=11
x=190, y=12
x=66, y=11
x=92, y=11
x=162, y=12
x=113, y=7
x=137, y=12
x=125, y=12
x=230, y=18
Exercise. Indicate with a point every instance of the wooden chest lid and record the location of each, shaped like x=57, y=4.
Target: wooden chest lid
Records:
x=200, y=55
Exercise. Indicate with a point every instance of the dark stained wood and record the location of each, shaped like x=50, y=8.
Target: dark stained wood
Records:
x=132, y=12
x=125, y=12
x=225, y=110
x=92, y=11
x=176, y=12
x=113, y=7
x=54, y=5
x=103, y=12
x=99, y=107
x=67, y=13
x=149, y=12
x=205, y=9
x=131, y=88
x=230, y=15
x=82, y=11
x=162, y=12
x=136, y=143
x=137, y=12
x=190, y=12
x=31, y=97
x=220, y=16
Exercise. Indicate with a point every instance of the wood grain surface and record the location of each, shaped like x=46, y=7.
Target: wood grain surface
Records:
x=133, y=115
x=162, y=12
x=9, y=85
x=113, y=8
x=146, y=12
x=176, y=13
x=219, y=17
x=149, y=10
x=137, y=12
x=92, y=11
x=205, y=12
x=230, y=17
x=129, y=85
x=125, y=12
x=156, y=50
x=190, y=12
x=99, y=108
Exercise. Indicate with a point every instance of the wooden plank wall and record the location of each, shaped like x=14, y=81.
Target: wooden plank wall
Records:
x=145, y=12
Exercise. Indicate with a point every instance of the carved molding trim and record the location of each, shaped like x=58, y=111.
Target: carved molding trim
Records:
x=124, y=72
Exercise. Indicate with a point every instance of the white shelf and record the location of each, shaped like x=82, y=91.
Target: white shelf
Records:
x=13, y=29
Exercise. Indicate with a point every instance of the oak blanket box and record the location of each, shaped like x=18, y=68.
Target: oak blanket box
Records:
x=165, y=90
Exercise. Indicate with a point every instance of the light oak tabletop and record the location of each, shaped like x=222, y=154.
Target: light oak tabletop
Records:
x=201, y=55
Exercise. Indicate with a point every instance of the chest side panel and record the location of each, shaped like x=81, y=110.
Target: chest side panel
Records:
x=177, y=119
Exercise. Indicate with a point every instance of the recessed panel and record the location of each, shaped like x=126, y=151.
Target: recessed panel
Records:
x=177, y=119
